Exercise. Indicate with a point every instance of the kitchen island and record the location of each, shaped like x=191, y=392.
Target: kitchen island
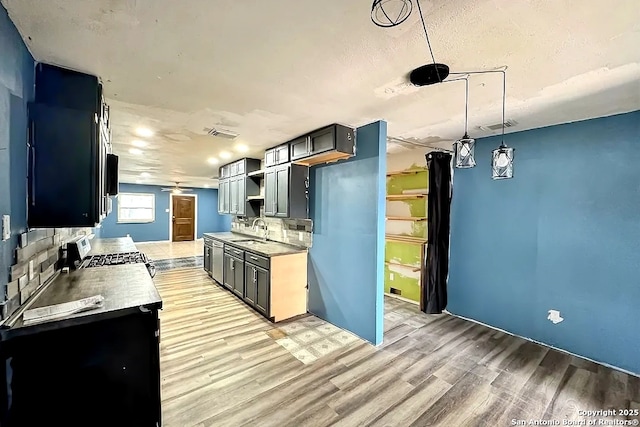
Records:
x=98, y=367
x=270, y=277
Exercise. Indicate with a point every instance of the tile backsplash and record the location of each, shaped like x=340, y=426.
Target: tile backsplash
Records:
x=297, y=232
x=36, y=262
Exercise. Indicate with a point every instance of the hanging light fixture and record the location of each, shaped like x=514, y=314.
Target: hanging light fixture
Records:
x=389, y=13
x=464, y=148
x=502, y=157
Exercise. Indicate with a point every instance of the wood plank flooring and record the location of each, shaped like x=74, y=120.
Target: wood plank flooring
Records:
x=220, y=367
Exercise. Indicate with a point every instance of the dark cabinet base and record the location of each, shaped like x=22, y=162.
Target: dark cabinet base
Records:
x=105, y=373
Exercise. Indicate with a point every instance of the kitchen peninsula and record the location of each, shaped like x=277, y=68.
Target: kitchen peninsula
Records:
x=270, y=277
x=99, y=367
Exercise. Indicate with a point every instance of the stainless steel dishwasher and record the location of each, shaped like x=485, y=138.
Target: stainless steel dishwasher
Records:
x=217, y=261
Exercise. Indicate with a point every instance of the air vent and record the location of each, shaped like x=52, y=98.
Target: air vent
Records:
x=221, y=133
x=508, y=124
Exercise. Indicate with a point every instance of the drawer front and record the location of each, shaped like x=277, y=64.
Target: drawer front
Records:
x=236, y=252
x=256, y=259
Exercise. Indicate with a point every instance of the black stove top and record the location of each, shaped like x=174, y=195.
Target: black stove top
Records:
x=115, y=259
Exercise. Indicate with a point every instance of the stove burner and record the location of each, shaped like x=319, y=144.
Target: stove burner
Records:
x=115, y=259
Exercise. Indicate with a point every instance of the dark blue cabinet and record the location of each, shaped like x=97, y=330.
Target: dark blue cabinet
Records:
x=69, y=142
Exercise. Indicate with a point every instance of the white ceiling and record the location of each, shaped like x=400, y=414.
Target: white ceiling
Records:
x=272, y=70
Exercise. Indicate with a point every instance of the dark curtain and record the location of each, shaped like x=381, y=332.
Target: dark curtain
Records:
x=436, y=267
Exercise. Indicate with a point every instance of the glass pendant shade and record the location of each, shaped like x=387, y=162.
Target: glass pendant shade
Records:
x=502, y=162
x=464, y=151
x=389, y=13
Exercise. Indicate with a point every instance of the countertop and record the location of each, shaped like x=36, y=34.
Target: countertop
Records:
x=112, y=246
x=267, y=248
x=125, y=288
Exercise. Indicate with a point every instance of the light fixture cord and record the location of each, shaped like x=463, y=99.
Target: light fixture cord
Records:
x=504, y=97
x=466, y=106
x=426, y=34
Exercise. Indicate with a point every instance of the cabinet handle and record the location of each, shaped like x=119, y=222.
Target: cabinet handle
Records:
x=233, y=266
x=255, y=273
x=253, y=258
x=238, y=252
x=33, y=162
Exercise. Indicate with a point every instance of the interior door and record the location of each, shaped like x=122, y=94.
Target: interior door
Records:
x=184, y=218
x=282, y=192
x=270, y=192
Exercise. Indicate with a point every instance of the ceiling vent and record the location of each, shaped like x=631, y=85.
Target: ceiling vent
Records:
x=221, y=133
x=508, y=124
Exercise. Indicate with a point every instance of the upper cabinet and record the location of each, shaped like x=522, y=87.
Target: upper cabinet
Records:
x=329, y=144
x=234, y=187
x=69, y=176
x=286, y=191
x=277, y=155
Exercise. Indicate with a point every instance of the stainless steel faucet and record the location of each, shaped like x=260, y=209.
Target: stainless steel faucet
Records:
x=266, y=230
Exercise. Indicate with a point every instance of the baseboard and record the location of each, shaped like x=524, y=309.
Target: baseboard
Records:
x=545, y=345
x=398, y=297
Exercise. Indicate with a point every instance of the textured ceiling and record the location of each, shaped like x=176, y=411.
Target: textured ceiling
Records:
x=272, y=70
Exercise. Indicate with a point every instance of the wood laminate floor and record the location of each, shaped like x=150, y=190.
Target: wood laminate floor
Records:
x=221, y=366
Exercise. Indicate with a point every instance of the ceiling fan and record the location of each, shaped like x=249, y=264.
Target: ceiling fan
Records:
x=177, y=189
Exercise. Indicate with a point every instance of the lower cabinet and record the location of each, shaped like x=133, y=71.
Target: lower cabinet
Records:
x=257, y=288
x=275, y=286
x=234, y=274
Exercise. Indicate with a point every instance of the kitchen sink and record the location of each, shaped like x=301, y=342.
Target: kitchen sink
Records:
x=252, y=242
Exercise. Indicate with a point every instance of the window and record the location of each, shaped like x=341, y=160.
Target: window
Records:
x=136, y=207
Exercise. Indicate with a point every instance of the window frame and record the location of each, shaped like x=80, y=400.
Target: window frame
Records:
x=120, y=220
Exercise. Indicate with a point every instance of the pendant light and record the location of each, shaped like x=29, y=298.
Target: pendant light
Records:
x=465, y=147
x=502, y=157
x=389, y=13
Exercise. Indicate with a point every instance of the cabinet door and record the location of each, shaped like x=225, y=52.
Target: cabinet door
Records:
x=262, y=291
x=250, y=284
x=221, y=196
x=270, y=158
x=299, y=148
x=228, y=273
x=227, y=197
x=207, y=259
x=240, y=168
x=241, y=195
x=282, y=154
x=238, y=279
x=323, y=140
x=270, y=192
x=282, y=192
x=233, y=196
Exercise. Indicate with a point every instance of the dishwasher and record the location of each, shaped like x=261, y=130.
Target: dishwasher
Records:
x=217, y=261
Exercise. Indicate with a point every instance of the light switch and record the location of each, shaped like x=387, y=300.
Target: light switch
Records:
x=6, y=227
x=300, y=235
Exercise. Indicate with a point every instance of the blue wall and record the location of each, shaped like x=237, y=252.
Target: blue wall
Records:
x=16, y=89
x=346, y=262
x=564, y=234
x=208, y=218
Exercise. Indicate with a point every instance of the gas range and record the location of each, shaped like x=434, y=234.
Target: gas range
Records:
x=119, y=259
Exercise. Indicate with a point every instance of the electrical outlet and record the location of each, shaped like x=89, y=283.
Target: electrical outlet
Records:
x=6, y=227
x=284, y=234
x=300, y=235
x=390, y=276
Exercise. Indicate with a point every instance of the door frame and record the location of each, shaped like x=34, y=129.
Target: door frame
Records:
x=195, y=215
